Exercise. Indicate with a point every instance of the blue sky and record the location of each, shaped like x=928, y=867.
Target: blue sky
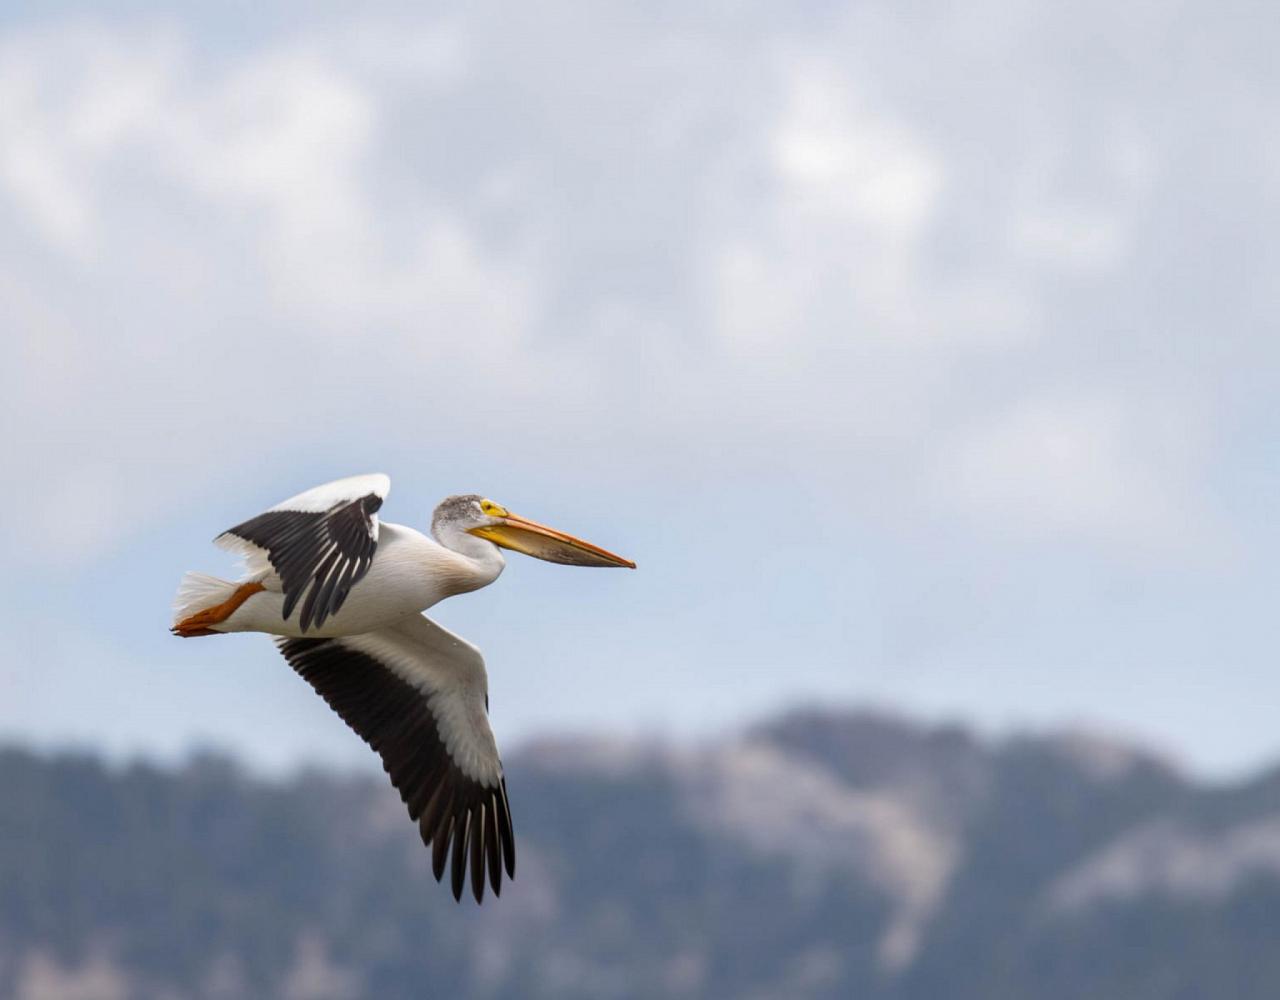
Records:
x=922, y=355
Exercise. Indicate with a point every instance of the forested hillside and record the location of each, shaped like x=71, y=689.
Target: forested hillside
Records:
x=816, y=856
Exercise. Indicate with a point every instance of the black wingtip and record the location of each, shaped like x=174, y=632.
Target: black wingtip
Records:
x=440, y=848
x=461, y=841
x=477, y=854
x=507, y=831
x=492, y=845
x=454, y=812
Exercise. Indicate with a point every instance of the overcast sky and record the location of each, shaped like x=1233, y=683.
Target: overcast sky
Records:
x=921, y=354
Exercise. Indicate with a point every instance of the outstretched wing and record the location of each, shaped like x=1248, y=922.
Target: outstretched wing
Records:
x=418, y=695
x=320, y=543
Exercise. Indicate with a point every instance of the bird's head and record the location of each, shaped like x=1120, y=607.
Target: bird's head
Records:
x=484, y=518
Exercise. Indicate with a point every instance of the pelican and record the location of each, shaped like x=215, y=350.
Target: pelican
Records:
x=343, y=595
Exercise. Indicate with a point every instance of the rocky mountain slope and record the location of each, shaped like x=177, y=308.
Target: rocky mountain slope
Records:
x=818, y=855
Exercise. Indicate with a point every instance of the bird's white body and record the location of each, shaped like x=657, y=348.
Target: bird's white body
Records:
x=411, y=573
x=344, y=595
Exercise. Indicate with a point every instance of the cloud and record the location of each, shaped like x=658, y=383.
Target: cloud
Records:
x=1083, y=466
x=850, y=162
x=410, y=203
x=58, y=131
x=167, y=192
x=1072, y=236
x=318, y=196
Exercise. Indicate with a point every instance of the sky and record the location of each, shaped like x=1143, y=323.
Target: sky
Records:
x=921, y=355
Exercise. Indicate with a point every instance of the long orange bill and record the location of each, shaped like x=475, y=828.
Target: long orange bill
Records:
x=533, y=539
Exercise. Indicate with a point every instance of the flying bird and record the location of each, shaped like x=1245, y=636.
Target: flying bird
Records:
x=343, y=594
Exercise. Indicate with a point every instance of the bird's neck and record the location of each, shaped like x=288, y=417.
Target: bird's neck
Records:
x=476, y=563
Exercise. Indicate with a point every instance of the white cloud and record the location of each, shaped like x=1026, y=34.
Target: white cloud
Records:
x=1080, y=465
x=850, y=161
x=1076, y=237
x=322, y=196
x=272, y=209
x=67, y=99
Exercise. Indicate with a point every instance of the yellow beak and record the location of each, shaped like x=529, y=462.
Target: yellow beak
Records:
x=533, y=539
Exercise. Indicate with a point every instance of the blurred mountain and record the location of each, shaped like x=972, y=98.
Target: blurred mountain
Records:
x=818, y=855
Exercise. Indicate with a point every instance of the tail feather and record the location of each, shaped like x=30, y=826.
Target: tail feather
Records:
x=198, y=591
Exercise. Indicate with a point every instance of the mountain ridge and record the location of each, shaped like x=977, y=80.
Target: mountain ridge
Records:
x=814, y=854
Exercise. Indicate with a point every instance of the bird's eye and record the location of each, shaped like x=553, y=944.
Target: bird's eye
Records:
x=492, y=509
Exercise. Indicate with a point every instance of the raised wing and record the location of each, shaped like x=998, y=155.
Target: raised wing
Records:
x=320, y=543
x=418, y=695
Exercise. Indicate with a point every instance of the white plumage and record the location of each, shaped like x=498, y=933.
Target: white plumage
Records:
x=344, y=595
x=322, y=498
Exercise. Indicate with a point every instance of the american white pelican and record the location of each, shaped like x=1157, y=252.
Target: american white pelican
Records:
x=344, y=594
